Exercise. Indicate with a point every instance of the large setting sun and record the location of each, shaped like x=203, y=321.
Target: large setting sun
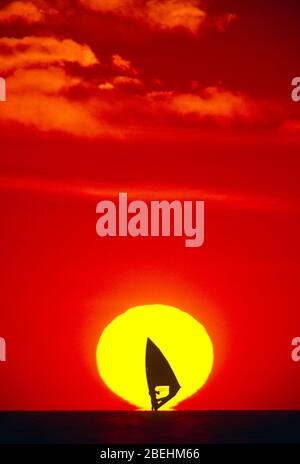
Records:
x=177, y=337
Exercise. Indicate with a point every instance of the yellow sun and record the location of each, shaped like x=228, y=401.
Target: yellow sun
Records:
x=183, y=341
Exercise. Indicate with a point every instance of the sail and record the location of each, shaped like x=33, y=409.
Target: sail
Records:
x=160, y=376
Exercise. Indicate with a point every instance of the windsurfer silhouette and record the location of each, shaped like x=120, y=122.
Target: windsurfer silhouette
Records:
x=154, y=400
x=159, y=375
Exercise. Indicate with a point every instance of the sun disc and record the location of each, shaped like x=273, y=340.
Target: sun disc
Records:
x=182, y=339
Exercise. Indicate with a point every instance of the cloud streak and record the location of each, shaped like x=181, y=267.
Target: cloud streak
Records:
x=212, y=102
x=232, y=200
x=26, y=12
x=165, y=15
x=173, y=14
x=123, y=65
x=33, y=51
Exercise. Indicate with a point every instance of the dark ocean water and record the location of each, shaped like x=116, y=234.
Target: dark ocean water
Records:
x=175, y=427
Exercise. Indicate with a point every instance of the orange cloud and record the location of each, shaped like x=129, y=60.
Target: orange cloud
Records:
x=38, y=98
x=108, y=6
x=167, y=14
x=52, y=80
x=120, y=64
x=38, y=86
x=121, y=81
x=21, y=11
x=106, y=86
x=213, y=102
x=51, y=113
x=140, y=111
x=171, y=14
x=127, y=81
x=33, y=51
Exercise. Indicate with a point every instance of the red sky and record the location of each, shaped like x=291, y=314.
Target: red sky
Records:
x=184, y=101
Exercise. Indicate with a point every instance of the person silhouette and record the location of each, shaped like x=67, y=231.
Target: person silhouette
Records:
x=154, y=399
x=157, y=403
